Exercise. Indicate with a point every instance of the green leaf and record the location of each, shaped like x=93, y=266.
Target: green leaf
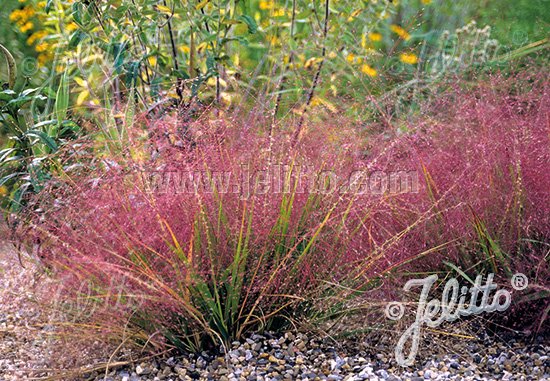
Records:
x=77, y=13
x=76, y=39
x=27, y=92
x=7, y=178
x=5, y=153
x=48, y=6
x=62, y=100
x=18, y=102
x=41, y=135
x=49, y=92
x=130, y=109
x=7, y=95
x=12, y=68
x=44, y=123
x=462, y=273
x=202, y=4
x=250, y=22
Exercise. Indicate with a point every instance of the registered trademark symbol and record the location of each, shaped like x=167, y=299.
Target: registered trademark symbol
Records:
x=519, y=281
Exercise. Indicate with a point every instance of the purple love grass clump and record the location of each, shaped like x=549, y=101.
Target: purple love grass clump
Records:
x=211, y=230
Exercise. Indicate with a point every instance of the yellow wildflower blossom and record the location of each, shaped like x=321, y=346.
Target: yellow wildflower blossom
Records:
x=26, y=27
x=408, y=58
x=71, y=27
x=22, y=15
x=312, y=61
x=426, y=2
x=354, y=14
x=350, y=57
x=266, y=4
x=3, y=191
x=42, y=59
x=279, y=12
x=274, y=40
x=400, y=32
x=368, y=70
x=375, y=37
x=36, y=36
x=84, y=94
x=42, y=47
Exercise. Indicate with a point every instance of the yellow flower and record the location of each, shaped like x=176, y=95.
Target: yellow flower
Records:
x=43, y=59
x=265, y=5
x=3, y=191
x=36, y=36
x=354, y=14
x=279, y=12
x=350, y=57
x=84, y=94
x=400, y=32
x=14, y=16
x=152, y=60
x=332, y=55
x=408, y=58
x=71, y=27
x=26, y=27
x=426, y=2
x=274, y=40
x=368, y=70
x=27, y=12
x=375, y=37
x=42, y=47
x=312, y=61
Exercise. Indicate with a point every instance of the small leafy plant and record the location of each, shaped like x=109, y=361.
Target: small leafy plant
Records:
x=28, y=161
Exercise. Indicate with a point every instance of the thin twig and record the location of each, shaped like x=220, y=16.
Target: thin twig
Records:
x=179, y=82
x=316, y=78
x=283, y=75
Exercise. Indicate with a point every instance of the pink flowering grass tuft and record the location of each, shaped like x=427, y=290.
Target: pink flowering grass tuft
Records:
x=194, y=263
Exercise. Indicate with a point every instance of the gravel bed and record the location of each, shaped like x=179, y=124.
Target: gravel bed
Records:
x=298, y=357
x=26, y=351
x=24, y=338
